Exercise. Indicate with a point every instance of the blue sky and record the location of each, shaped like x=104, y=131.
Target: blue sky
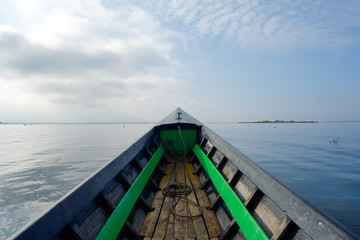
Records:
x=110, y=61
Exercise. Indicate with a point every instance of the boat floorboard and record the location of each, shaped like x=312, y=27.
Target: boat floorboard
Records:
x=162, y=224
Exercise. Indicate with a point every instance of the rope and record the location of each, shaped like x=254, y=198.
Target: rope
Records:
x=182, y=141
x=176, y=190
x=174, y=158
x=170, y=143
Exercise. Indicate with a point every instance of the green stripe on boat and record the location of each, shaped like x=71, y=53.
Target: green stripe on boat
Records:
x=243, y=218
x=113, y=226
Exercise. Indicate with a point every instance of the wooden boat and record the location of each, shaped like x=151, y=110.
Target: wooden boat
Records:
x=182, y=181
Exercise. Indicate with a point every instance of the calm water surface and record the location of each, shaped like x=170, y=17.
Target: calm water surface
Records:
x=40, y=163
x=301, y=156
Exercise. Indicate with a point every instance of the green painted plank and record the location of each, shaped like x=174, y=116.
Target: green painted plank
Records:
x=244, y=219
x=114, y=224
x=173, y=142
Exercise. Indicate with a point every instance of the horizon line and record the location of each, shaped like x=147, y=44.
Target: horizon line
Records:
x=153, y=122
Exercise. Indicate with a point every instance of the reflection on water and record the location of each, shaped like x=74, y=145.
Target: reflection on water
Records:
x=41, y=163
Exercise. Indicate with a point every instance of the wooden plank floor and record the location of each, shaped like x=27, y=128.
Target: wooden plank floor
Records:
x=162, y=224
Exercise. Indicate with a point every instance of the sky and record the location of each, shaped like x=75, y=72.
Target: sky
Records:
x=113, y=61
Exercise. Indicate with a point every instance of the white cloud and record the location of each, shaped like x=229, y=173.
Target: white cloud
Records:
x=266, y=24
x=63, y=29
x=83, y=55
x=109, y=55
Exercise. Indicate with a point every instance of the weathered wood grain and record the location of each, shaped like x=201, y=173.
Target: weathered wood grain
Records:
x=150, y=221
x=213, y=227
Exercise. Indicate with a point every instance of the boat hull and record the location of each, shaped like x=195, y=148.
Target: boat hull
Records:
x=238, y=192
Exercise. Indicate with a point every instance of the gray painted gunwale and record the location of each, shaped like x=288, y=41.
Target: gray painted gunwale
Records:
x=309, y=219
x=302, y=213
x=64, y=210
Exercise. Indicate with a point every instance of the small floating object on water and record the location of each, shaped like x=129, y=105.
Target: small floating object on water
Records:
x=335, y=141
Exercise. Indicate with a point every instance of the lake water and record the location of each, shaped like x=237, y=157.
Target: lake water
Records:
x=40, y=163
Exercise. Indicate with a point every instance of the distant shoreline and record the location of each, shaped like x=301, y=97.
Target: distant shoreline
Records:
x=266, y=121
x=280, y=121
x=291, y=121
x=206, y=122
x=31, y=123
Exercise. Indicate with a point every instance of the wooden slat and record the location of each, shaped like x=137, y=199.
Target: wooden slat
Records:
x=136, y=165
x=153, y=184
x=203, y=198
x=252, y=200
x=105, y=202
x=207, y=238
x=201, y=194
x=212, y=152
x=211, y=221
x=205, y=184
x=230, y=230
x=217, y=203
x=150, y=221
x=191, y=229
x=181, y=224
x=203, y=142
x=198, y=170
x=222, y=164
x=148, y=151
x=162, y=172
x=165, y=224
x=282, y=229
x=171, y=225
x=147, y=229
x=126, y=183
x=133, y=234
x=76, y=232
x=161, y=229
x=199, y=224
x=235, y=179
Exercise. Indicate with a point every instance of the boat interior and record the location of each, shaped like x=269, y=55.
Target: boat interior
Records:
x=182, y=181
x=179, y=200
x=180, y=207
